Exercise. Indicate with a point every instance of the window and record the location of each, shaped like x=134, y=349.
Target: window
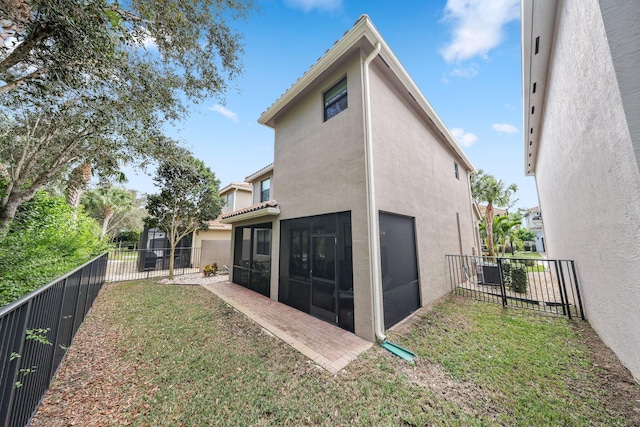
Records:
x=455, y=170
x=229, y=200
x=335, y=99
x=263, y=246
x=265, y=189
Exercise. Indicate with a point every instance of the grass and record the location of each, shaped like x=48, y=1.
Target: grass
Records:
x=534, y=255
x=199, y=362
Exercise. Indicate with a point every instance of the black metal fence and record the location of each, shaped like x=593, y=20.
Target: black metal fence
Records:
x=36, y=331
x=139, y=264
x=536, y=284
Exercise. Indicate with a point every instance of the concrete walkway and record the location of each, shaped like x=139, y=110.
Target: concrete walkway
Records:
x=327, y=345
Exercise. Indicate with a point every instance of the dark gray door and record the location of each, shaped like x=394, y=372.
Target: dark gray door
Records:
x=323, y=277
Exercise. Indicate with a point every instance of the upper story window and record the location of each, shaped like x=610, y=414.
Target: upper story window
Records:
x=229, y=200
x=335, y=99
x=265, y=190
x=455, y=170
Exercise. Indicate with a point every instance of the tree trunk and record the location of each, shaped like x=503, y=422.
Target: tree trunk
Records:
x=489, y=218
x=106, y=218
x=172, y=253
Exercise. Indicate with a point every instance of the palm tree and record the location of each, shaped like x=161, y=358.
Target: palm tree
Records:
x=504, y=228
x=78, y=180
x=487, y=189
x=107, y=201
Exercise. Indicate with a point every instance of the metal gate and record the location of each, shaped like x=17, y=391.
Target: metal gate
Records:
x=544, y=285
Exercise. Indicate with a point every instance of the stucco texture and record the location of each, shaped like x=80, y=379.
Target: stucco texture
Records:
x=414, y=176
x=588, y=180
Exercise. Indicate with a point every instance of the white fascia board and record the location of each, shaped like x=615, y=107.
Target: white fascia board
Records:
x=258, y=174
x=251, y=215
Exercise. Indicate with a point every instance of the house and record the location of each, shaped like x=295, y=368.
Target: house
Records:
x=367, y=194
x=581, y=84
x=533, y=221
x=215, y=243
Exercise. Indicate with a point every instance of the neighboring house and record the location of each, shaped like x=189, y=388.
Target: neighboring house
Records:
x=367, y=194
x=581, y=87
x=215, y=243
x=533, y=221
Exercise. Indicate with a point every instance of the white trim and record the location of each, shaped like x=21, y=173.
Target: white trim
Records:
x=251, y=215
x=258, y=174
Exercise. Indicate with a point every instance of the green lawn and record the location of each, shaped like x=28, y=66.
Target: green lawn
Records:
x=195, y=361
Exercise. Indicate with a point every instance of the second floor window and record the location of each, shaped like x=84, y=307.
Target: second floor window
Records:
x=335, y=99
x=230, y=200
x=265, y=190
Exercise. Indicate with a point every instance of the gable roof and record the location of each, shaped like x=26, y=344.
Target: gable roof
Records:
x=242, y=186
x=259, y=173
x=364, y=31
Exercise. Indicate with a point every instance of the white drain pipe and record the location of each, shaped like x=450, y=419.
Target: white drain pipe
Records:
x=374, y=229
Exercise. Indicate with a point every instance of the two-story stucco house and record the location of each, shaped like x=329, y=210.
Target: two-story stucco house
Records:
x=532, y=218
x=367, y=194
x=581, y=89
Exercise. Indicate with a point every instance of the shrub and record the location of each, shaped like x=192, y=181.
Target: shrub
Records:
x=43, y=242
x=210, y=269
x=514, y=276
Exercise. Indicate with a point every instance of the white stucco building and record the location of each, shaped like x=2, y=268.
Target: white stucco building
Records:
x=581, y=87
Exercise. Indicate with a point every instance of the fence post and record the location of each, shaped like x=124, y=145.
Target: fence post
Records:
x=563, y=289
x=575, y=280
x=503, y=291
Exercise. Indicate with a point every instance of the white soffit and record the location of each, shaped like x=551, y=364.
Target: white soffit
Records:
x=538, y=26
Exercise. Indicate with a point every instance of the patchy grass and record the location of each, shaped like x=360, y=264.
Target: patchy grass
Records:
x=180, y=356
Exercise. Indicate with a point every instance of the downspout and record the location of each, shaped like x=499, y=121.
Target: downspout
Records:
x=374, y=230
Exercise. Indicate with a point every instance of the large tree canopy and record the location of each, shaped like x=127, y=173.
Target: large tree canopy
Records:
x=95, y=81
x=59, y=43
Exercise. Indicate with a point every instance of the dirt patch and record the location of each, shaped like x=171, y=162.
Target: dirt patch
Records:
x=94, y=386
x=619, y=390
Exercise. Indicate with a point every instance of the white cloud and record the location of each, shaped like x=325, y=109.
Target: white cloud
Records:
x=466, y=139
x=225, y=112
x=504, y=127
x=465, y=73
x=308, y=5
x=477, y=26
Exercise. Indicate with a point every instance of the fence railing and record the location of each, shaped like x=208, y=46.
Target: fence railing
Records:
x=35, y=332
x=139, y=264
x=536, y=284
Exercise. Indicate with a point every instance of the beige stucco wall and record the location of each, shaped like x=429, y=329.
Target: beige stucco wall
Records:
x=319, y=168
x=414, y=176
x=214, y=246
x=241, y=199
x=588, y=180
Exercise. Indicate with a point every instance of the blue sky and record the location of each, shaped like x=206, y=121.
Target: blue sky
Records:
x=463, y=54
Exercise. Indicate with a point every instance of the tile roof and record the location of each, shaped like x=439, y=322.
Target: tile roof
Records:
x=217, y=225
x=263, y=205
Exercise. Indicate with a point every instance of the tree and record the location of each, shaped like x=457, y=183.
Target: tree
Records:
x=487, y=189
x=58, y=43
x=504, y=228
x=107, y=202
x=96, y=81
x=188, y=199
x=526, y=235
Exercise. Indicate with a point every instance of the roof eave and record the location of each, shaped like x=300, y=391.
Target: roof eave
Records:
x=269, y=211
x=538, y=19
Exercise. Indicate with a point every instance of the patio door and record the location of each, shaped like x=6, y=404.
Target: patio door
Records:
x=323, y=277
